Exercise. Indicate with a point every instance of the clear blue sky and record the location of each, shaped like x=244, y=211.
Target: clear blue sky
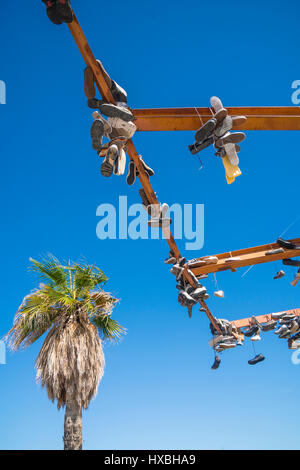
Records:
x=158, y=390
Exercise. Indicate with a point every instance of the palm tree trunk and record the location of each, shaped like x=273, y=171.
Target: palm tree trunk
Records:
x=73, y=427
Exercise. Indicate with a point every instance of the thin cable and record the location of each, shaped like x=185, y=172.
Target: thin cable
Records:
x=249, y=269
x=290, y=226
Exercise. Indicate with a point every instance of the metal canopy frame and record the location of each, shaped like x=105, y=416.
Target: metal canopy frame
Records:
x=175, y=119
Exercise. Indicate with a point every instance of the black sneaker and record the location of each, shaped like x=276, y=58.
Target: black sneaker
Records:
x=251, y=331
x=287, y=244
x=65, y=11
x=131, y=177
x=197, y=147
x=291, y=262
x=94, y=103
x=217, y=363
x=52, y=12
x=256, y=359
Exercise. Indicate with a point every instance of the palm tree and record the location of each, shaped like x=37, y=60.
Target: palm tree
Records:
x=76, y=312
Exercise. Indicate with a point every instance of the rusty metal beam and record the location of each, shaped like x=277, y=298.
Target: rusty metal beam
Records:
x=244, y=322
x=187, y=119
x=105, y=92
x=247, y=257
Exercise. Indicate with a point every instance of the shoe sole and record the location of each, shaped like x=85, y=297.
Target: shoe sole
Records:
x=97, y=135
x=205, y=131
x=224, y=127
x=196, y=148
x=131, y=177
x=106, y=168
x=234, y=138
x=113, y=111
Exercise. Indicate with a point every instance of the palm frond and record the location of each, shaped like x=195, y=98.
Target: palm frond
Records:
x=50, y=270
x=87, y=277
x=34, y=317
x=108, y=328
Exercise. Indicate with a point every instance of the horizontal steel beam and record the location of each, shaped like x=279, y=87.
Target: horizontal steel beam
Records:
x=262, y=318
x=190, y=119
x=242, y=258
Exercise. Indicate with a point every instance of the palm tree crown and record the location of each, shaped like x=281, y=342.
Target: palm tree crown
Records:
x=71, y=305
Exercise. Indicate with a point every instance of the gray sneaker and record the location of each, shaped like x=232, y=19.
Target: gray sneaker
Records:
x=223, y=127
x=231, y=138
x=206, y=130
x=111, y=110
x=97, y=132
x=270, y=325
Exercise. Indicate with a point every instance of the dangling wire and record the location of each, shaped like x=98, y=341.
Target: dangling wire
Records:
x=289, y=226
x=200, y=161
x=216, y=282
x=201, y=164
x=254, y=350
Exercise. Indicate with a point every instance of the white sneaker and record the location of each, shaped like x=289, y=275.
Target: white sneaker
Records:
x=219, y=293
x=256, y=338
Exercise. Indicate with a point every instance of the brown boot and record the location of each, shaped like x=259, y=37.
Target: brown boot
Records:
x=89, y=86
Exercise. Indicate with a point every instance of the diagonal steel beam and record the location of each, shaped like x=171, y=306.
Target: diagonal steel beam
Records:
x=105, y=92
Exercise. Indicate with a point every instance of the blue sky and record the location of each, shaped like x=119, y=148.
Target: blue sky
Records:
x=158, y=390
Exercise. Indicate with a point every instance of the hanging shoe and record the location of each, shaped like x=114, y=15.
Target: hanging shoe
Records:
x=89, y=84
x=171, y=259
x=277, y=251
x=238, y=120
x=198, y=293
x=256, y=359
x=278, y=316
x=230, y=138
x=216, y=363
x=211, y=260
x=109, y=161
x=219, y=293
x=227, y=345
x=281, y=329
x=288, y=317
x=251, y=331
x=296, y=280
x=131, y=177
x=147, y=168
x=118, y=92
x=291, y=262
x=161, y=220
x=206, y=130
x=185, y=298
x=279, y=275
x=94, y=103
x=97, y=133
x=113, y=111
x=232, y=154
x=197, y=147
x=269, y=326
x=52, y=12
x=287, y=244
x=120, y=163
x=65, y=11
x=223, y=127
x=256, y=337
